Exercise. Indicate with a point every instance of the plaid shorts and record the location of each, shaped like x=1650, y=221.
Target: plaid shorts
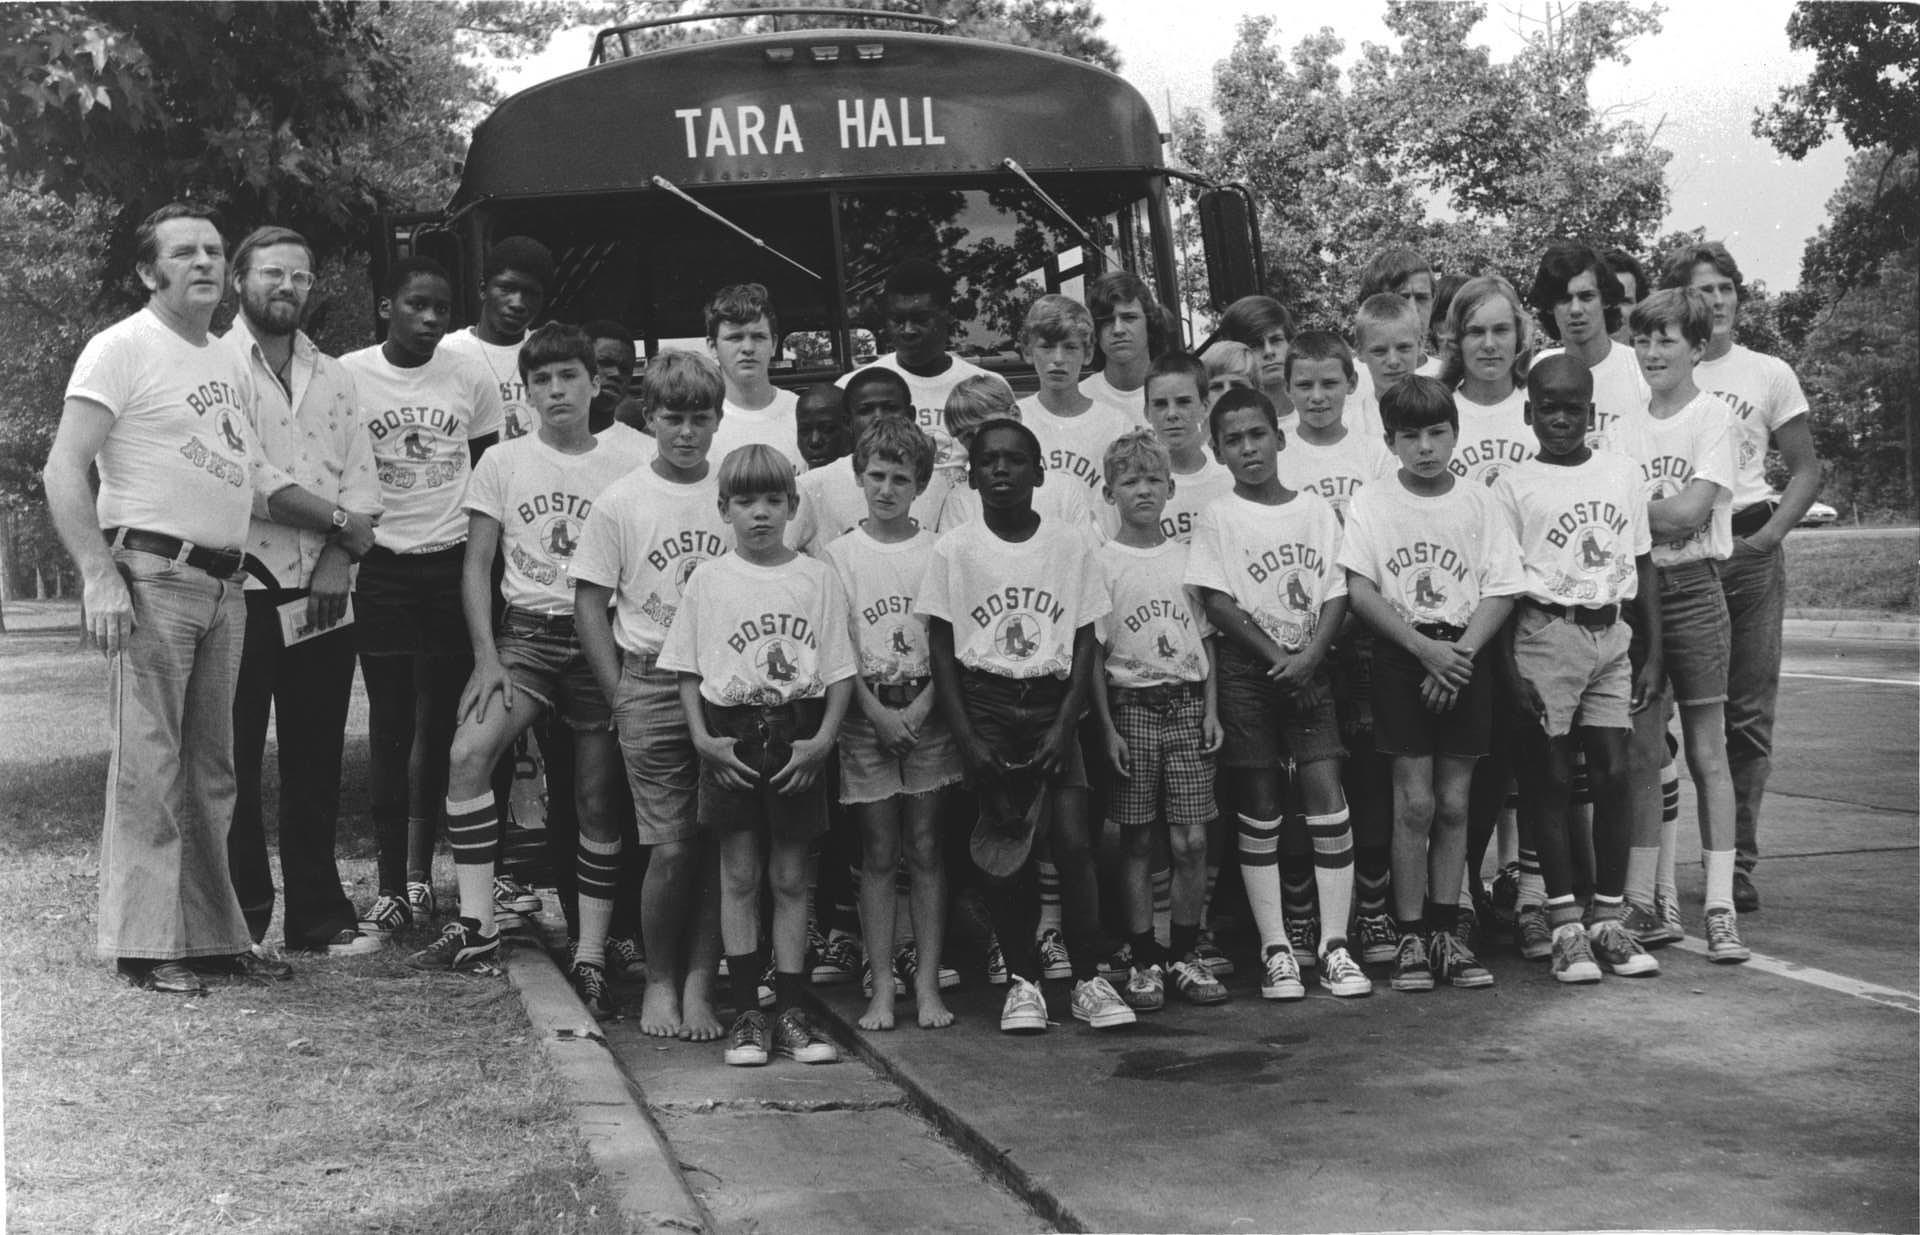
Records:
x=1170, y=775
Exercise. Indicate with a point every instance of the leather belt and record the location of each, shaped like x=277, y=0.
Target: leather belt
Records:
x=1598, y=618
x=220, y=563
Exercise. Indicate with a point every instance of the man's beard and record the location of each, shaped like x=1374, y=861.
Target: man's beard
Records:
x=263, y=319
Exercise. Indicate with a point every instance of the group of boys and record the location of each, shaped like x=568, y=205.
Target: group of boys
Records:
x=882, y=619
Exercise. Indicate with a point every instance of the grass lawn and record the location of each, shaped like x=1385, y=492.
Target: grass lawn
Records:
x=1863, y=572
x=360, y=1097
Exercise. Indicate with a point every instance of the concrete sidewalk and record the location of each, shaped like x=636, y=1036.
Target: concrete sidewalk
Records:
x=1813, y=624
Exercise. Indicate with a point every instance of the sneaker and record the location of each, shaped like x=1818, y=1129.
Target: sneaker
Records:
x=1666, y=907
x=747, y=1040
x=906, y=966
x=1054, y=961
x=1506, y=893
x=1617, y=951
x=996, y=963
x=590, y=983
x=838, y=961
x=388, y=917
x=1412, y=969
x=796, y=1037
x=866, y=981
x=512, y=896
x=1341, y=975
x=625, y=959
x=1212, y=957
x=765, y=991
x=1118, y=966
x=1025, y=1010
x=1644, y=926
x=1466, y=928
x=1282, y=978
x=420, y=900
x=1746, y=897
x=1099, y=1005
x=1723, y=939
x=1304, y=935
x=1146, y=989
x=1379, y=941
x=1573, y=955
x=459, y=945
x=1195, y=981
x=1532, y=934
x=351, y=942
x=1454, y=964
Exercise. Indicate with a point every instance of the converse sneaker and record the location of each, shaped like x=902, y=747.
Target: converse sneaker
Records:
x=796, y=1037
x=350, y=942
x=765, y=991
x=1342, y=976
x=1666, y=907
x=1025, y=1010
x=1723, y=939
x=837, y=962
x=1195, y=981
x=590, y=984
x=1532, y=934
x=512, y=896
x=420, y=901
x=1454, y=964
x=1304, y=935
x=1209, y=953
x=461, y=944
x=996, y=963
x=1282, y=977
x=1146, y=988
x=1412, y=968
x=1099, y=1005
x=1645, y=926
x=388, y=917
x=1617, y=951
x=1573, y=955
x=906, y=965
x=1117, y=967
x=747, y=1040
x=1054, y=961
x=1379, y=941
x=625, y=959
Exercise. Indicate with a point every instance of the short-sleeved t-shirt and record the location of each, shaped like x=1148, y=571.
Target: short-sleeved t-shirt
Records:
x=1335, y=472
x=1436, y=558
x=1014, y=607
x=1156, y=632
x=929, y=396
x=1619, y=390
x=880, y=581
x=630, y=439
x=502, y=363
x=1694, y=442
x=1192, y=493
x=422, y=421
x=776, y=425
x=1763, y=394
x=1492, y=438
x=179, y=458
x=1058, y=501
x=644, y=538
x=1275, y=562
x=1129, y=403
x=761, y=635
x=833, y=504
x=1579, y=527
x=541, y=499
x=1075, y=446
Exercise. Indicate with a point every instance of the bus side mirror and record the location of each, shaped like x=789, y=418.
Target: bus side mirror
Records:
x=1230, y=235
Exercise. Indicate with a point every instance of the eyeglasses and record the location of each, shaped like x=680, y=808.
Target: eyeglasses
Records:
x=302, y=279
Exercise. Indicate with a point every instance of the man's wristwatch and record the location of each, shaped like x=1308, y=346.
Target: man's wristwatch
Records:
x=339, y=519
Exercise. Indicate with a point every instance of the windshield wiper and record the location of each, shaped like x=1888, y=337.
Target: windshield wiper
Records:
x=661, y=182
x=1085, y=238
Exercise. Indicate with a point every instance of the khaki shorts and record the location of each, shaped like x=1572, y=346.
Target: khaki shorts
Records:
x=1582, y=673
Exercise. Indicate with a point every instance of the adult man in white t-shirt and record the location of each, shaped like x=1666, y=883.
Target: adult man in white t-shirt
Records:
x=1124, y=314
x=1768, y=409
x=515, y=280
x=917, y=302
x=1579, y=302
x=744, y=333
x=166, y=414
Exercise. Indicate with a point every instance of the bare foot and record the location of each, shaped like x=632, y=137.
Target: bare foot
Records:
x=879, y=1013
x=933, y=1011
x=660, y=1011
x=699, y=1024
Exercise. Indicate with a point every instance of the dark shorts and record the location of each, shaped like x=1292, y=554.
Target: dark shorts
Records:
x=763, y=739
x=1403, y=726
x=408, y=604
x=1696, y=635
x=1265, y=726
x=1012, y=716
x=1170, y=774
x=544, y=660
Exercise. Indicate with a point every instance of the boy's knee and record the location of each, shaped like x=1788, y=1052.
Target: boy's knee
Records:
x=1187, y=844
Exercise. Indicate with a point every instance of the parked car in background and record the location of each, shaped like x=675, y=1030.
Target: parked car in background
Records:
x=1818, y=515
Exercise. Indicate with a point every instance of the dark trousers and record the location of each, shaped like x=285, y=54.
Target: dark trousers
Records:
x=306, y=686
x=411, y=702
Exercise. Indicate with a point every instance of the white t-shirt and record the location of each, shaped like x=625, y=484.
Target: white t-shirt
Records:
x=1579, y=527
x=1619, y=390
x=1433, y=558
x=1763, y=394
x=1193, y=492
x=1014, y=608
x=1696, y=441
x=1492, y=439
x=541, y=498
x=181, y=455
x=1156, y=632
x=502, y=363
x=1335, y=472
x=776, y=425
x=880, y=581
x=930, y=401
x=1057, y=500
x=631, y=440
x=1362, y=416
x=761, y=635
x=1075, y=446
x=833, y=504
x=422, y=421
x=1275, y=562
x=1131, y=404
x=644, y=537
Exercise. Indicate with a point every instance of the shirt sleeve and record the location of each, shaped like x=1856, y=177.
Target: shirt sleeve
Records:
x=103, y=374
x=596, y=559
x=1501, y=572
x=489, y=414
x=1095, y=602
x=1713, y=457
x=837, y=662
x=1204, y=565
x=680, y=651
x=1639, y=525
x=486, y=488
x=1785, y=399
x=1356, y=546
x=1336, y=577
x=933, y=599
x=359, y=477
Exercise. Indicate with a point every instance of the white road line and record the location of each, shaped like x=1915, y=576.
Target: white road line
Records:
x=1906, y=1001
x=1834, y=677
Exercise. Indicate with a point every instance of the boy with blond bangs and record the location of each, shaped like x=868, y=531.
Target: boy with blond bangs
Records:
x=1074, y=431
x=1390, y=339
x=760, y=643
x=1432, y=566
x=895, y=751
x=1229, y=364
x=643, y=540
x=1158, y=714
x=1263, y=559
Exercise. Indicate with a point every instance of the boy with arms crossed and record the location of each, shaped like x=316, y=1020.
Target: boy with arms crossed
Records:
x=760, y=643
x=1263, y=559
x=1432, y=566
x=644, y=539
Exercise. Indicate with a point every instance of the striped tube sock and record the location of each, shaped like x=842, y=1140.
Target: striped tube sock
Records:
x=1049, y=896
x=1607, y=908
x=1533, y=889
x=1206, y=898
x=473, y=833
x=1332, y=874
x=1162, y=905
x=597, y=870
x=1296, y=885
x=1663, y=878
x=1719, y=864
x=1259, y=843
x=1561, y=910
x=1372, y=879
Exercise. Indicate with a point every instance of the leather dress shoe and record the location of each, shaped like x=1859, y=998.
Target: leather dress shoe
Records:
x=1746, y=897
x=248, y=964
x=164, y=977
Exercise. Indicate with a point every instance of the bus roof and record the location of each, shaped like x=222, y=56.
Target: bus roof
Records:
x=806, y=106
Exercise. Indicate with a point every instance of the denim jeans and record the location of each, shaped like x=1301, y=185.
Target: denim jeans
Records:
x=165, y=892
x=1755, y=584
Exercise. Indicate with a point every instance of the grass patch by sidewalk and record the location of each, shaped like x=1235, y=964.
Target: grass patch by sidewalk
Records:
x=1869, y=573
x=359, y=1097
